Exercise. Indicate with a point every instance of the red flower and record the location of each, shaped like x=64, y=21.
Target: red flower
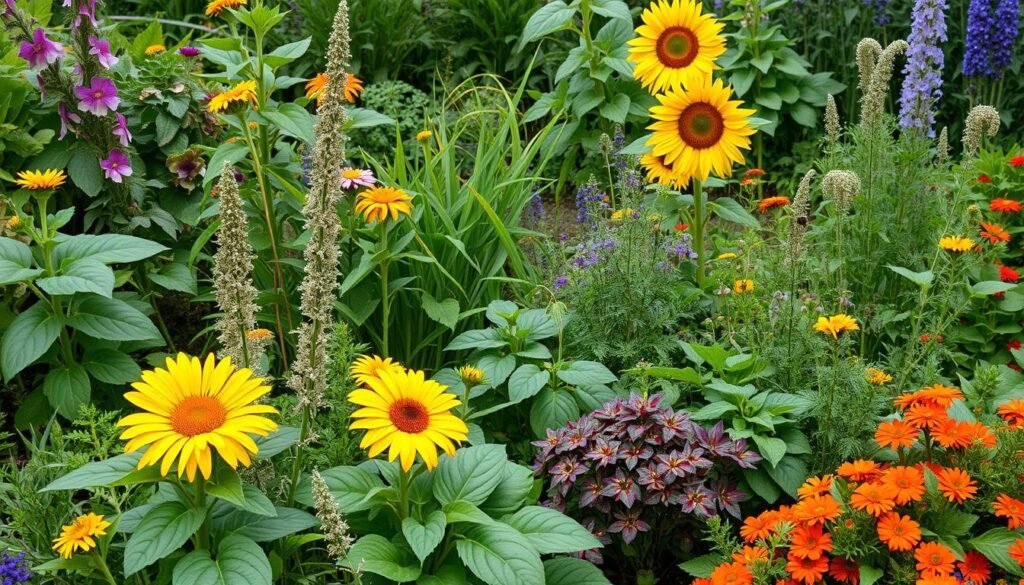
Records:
x=984, y=179
x=927, y=337
x=681, y=227
x=1007, y=274
x=1017, y=161
x=1015, y=344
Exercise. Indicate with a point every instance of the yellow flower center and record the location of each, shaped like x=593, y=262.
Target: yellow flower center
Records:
x=677, y=47
x=351, y=173
x=196, y=415
x=701, y=125
x=79, y=529
x=97, y=94
x=409, y=415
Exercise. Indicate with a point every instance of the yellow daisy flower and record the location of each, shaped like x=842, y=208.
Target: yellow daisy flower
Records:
x=676, y=45
x=367, y=366
x=79, y=535
x=315, y=88
x=38, y=180
x=877, y=377
x=622, y=213
x=743, y=285
x=215, y=7
x=956, y=244
x=700, y=131
x=259, y=335
x=192, y=406
x=424, y=135
x=154, y=49
x=376, y=203
x=244, y=92
x=836, y=325
x=407, y=414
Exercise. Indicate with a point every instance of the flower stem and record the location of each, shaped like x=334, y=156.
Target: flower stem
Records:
x=384, y=296
x=203, y=540
x=101, y=564
x=698, y=229
x=403, y=494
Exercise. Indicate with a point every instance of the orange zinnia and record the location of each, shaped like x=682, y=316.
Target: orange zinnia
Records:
x=770, y=202
x=1013, y=413
x=859, y=470
x=817, y=510
x=956, y=485
x=980, y=434
x=1004, y=205
x=939, y=395
x=975, y=568
x=810, y=542
x=816, y=486
x=874, y=498
x=994, y=233
x=760, y=526
x=899, y=532
x=908, y=483
x=953, y=434
x=749, y=555
x=807, y=570
x=844, y=570
x=754, y=172
x=896, y=433
x=924, y=416
x=732, y=574
x=1017, y=551
x=1010, y=508
x=934, y=559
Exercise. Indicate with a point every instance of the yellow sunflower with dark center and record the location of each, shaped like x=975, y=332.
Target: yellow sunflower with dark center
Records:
x=244, y=92
x=700, y=130
x=676, y=45
x=39, y=180
x=407, y=414
x=79, y=535
x=215, y=7
x=376, y=203
x=657, y=170
x=192, y=408
x=367, y=366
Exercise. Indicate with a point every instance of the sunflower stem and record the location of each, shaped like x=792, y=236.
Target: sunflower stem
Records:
x=403, y=494
x=698, y=229
x=385, y=301
x=203, y=539
x=101, y=564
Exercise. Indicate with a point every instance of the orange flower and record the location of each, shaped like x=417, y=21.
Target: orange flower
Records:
x=807, y=570
x=749, y=555
x=1010, y=508
x=975, y=568
x=899, y=532
x=980, y=434
x=760, y=526
x=844, y=570
x=1004, y=205
x=859, y=470
x=924, y=416
x=874, y=498
x=732, y=574
x=746, y=182
x=956, y=485
x=939, y=395
x=1013, y=413
x=934, y=559
x=817, y=510
x=953, y=434
x=994, y=233
x=1017, y=550
x=809, y=542
x=702, y=582
x=816, y=486
x=937, y=580
x=908, y=483
x=770, y=202
x=896, y=433
x=754, y=172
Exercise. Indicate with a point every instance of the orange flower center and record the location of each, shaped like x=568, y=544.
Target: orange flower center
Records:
x=409, y=416
x=78, y=530
x=196, y=415
x=677, y=47
x=701, y=126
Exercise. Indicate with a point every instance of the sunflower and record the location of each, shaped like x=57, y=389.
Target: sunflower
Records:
x=836, y=325
x=994, y=233
x=366, y=367
x=877, y=377
x=657, y=171
x=934, y=559
x=700, y=130
x=899, y=532
x=154, y=49
x=192, y=406
x=244, y=92
x=376, y=203
x=79, y=535
x=39, y=180
x=957, y=485
x=676, y=46
x=956, y=244
x=770, y=202
x=407, y=414
x=215, y=7
x=315, y=88
x=1010, y=508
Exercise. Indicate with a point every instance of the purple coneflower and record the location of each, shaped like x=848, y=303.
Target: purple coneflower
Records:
x=101, y=48
x=356, y=178
x=99, y=98
x=922, y=84
x=67, y=118
x=116, y=166
x=41, y=51
x=121, y=130
x=189, y=51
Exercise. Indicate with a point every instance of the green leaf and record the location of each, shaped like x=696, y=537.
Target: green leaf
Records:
x=375, y=554
x=68, y=389
x=870, y=575
x=570, y=571
x=922, y=279
x=292, y=120
x=471, y=475
x=995, y=545
x=424, y=538
x=240, y=561
x=762, y=485
x=84, y=171
x=702, y=566
x=617, y=109
x=526, y=381
x=498, y=555
x=586, y=373
x=27, y=338
x=729, y=210
x=551, y=409
x=445, y=312
x=175, y=276
x=763, y=62
x=476, y=339
x=714, y=411
x=990, y=287
x=352, y=488
x=287, y=53
x=551, y=17
x=463, y=511
x=227, y=152
x=15, y=251
x=111, y=366
x=688, y=375
x=365, y=118
x=281, y=439
x=512, y=491
x=163, y=530
x=496, y=367
x=85, y=275
x=111, y=319
x=166, y=128
x=11, y=272
x=550, y=531
x=772, y=449
x=789, y=474
x=96, y=474
x=107, y=248
x=611, y=9
x=261, y=527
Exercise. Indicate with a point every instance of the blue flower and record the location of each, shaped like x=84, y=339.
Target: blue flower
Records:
x=922, y=84
x=13, y=569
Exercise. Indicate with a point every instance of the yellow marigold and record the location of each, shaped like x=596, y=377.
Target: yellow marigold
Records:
x=215, y=7
x=259, y=335
x=79, y=535
x=424, y=135
x=39, y=180
x=743, y=285
x=877, y=377
x=956, y=244
x=471, y=376
x=376, y=203
x=836, y=325
x=622, y=213
x=154, y=49
x=244, y=92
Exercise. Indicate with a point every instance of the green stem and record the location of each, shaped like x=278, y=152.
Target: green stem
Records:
x=403, y=495
x=385, y=299
x=297, y=463
x=203, y=540
x=101, y=564
x=698, y=229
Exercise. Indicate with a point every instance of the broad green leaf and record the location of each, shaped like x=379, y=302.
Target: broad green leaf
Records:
x=240, y=561
x=15, y=252
x=772, y=449
x=175, y=276
x=293, y=120
x=84, y=171
x=476, y=339
x=498, y=555
x=714, y=411
x=762, y=485
x=471, y=475
x=112, y=366
x=789, y=474
x=990, y=287
x=551, y=17
x=570, y=571
x=227, y=519
x=995, y=545
x=463, y=511
x=923, y=279
x=68, y=389
x=551, y=409
x=111, y=319
x=351, y=487
x=81, y=276
x=496, y=367
x=729, y=210
x=870, y=575
x=97, y=473
x=512, y=491
x=276, y=442
x=550, y=531
x=375, y=554
x=526, y=381
x=287, y=53
x=27, y=338
x=445, y=312
x=11, y=273
x=688, y=375
x=702, y=566
x=106, y=248
x=366, y=118
x=611, y=9
x=163, y=530
x=586, y=373
x=424, y=537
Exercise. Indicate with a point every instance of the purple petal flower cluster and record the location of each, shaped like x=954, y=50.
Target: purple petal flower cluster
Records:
x=536, y=212
x=99, y=98
x=922, y=82
x=116, y=166
x=560, y=282
x=41, y=51
x=189, y=51
x=592, y=253
x=1005, y=35
x=633, y=454
x=101, y=48
x=13, y=569
x=992, y=31
x=588, y=199
x=680, y=248
x=880, y=15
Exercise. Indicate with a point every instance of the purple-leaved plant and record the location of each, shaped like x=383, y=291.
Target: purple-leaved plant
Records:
x=922, y=81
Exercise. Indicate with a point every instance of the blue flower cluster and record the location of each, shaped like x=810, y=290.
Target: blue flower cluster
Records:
x=922, y=82
x=13, y=569
x=992, y=29
x=587, y=197
x=881, y=13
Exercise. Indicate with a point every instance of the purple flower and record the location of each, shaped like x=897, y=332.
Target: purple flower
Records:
x=116, y=166
x=880, y=16
x=121, y=130
x=99, y=98
x=699, y=500
x=977, y=62
x=41, y=51
x=87, y=8
x=189, y=51
x=922, y=82
x=586, y=197
x=560, y=282
x=356, y=178
x=101, y=48
x=1005, y=35
x=536, y=211
x=67, y=118
x=13, y=569
x=629, y=524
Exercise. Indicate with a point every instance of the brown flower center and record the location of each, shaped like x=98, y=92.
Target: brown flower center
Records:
x=701, y=126
x=196, y=415
x=677, y=47
x=410, y=416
